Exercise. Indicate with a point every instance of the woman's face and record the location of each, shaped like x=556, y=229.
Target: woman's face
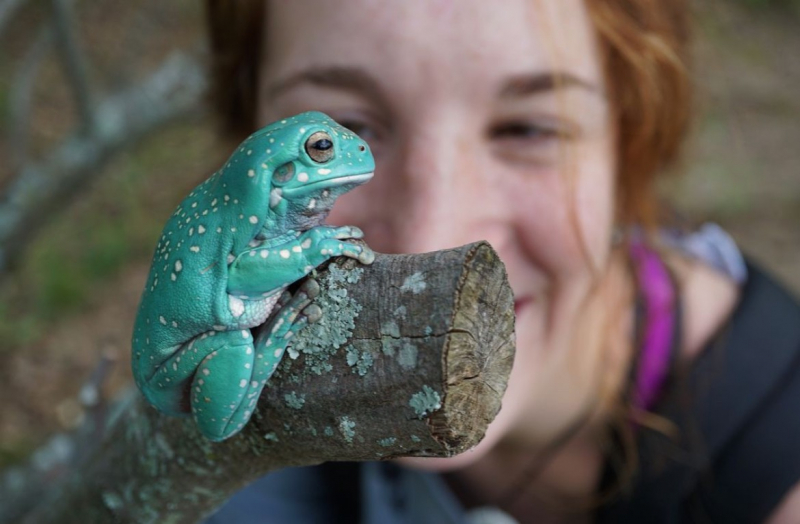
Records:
x=486, y=123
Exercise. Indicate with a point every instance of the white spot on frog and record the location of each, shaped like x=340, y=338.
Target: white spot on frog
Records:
x=243, y=383
x=302, y=177
x=236, y=306
x=254, y=219
x=264, y=253
x=284, y=253
x=275, y=197
x=297, y=249
x=312, y=203
x=200, y=230
x=306, y=243
x=251, y=173
x=323, y=171
x=162, y=320
x=178, y=266
x=194, y=249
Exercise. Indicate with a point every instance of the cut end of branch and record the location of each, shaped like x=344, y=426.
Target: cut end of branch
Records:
x=478, y=360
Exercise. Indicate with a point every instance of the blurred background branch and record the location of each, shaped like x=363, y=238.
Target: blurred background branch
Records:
x=104, y=129
x=39, y=188
x=7, y=9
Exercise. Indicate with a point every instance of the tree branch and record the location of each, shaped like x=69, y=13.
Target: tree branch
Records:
x=39, y=190
x=425, y=347
x=7, y=10
x=21, y=95
x=74, y=63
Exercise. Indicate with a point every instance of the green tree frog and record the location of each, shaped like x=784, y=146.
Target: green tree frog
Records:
x=215, y=317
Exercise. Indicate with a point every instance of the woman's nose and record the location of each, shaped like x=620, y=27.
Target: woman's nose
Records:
x=421, y=202
x=432, y=195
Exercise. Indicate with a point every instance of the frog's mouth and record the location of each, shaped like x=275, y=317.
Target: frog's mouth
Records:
x=328, y=183
x=311, y=203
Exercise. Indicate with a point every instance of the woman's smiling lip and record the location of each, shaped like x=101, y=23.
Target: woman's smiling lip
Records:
x=520, y=303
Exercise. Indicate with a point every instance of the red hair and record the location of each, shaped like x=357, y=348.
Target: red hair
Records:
x=645, y=46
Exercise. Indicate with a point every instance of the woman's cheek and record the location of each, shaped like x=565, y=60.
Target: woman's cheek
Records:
x=543, y=224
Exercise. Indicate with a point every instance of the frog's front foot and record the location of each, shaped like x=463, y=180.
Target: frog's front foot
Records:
x=332, y=247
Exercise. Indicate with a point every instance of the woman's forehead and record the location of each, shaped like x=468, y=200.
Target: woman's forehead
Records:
x=463, y=38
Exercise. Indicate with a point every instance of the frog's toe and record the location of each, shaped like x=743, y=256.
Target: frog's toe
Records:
x=367, y=256
x=345, y=232
x=310, y=287
x=284, y=298
x=312, y=313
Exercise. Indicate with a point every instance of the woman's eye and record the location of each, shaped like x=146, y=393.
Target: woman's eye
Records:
x=525, y=131
x=532, y=142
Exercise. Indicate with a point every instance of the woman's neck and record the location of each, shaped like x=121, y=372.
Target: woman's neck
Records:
x=551, y=486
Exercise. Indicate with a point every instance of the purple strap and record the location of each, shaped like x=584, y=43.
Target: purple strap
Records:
x=658, y=327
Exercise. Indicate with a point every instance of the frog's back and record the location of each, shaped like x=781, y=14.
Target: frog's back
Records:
x=186, y=291
x=186, y=279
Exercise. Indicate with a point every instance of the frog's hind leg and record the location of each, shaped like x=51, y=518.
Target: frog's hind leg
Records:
x=169, y=387
x=220, y=382
x=272, y=341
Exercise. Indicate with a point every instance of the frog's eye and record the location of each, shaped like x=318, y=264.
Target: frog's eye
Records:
x=284, y=173
x=319, y=147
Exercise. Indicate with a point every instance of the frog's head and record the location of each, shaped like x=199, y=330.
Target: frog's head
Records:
x=320, y=161
x=288, y=175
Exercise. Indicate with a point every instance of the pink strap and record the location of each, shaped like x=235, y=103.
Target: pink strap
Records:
x=658, y=327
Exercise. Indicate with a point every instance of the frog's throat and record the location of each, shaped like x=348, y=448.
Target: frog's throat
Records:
x=284, y=218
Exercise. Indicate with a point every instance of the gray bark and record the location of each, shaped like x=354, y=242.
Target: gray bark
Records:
x=411, y=358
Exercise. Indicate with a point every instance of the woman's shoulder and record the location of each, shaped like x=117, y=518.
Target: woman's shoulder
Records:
x=716, y=283
x=733, y=395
